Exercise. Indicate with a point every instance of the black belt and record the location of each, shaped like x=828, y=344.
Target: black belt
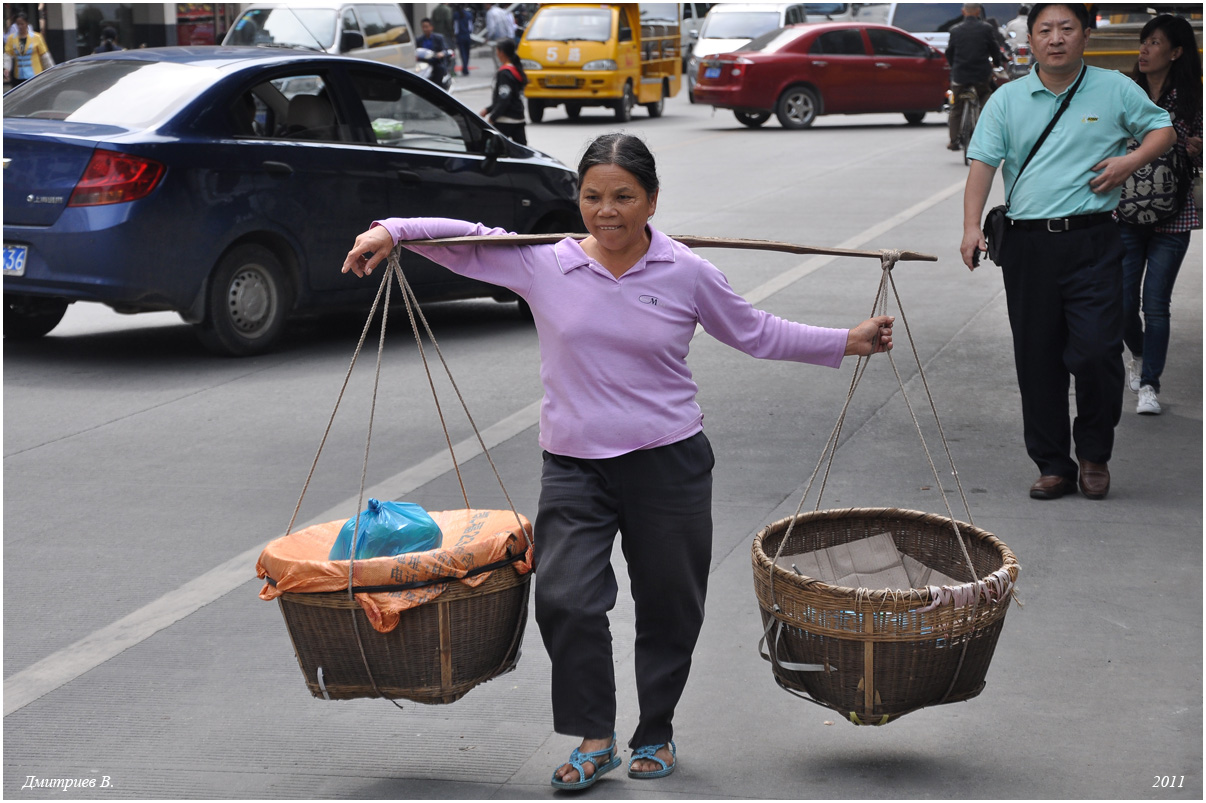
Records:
x=1056, y=225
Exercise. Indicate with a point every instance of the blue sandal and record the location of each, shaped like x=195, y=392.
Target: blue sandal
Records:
x=578, y=758
x=648, y=753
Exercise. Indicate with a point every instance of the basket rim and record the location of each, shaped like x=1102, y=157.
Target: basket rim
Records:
x=1008, y=559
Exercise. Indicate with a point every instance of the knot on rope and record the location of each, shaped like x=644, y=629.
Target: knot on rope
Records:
x=888, y=257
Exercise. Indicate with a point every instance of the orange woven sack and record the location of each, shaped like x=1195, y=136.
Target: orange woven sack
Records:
x=472, y=539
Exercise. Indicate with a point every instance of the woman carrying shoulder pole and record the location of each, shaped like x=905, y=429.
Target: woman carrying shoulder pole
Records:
x=622, y=434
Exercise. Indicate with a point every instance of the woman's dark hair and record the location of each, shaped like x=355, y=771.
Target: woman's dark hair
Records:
x=1078, y=9
x=1185, y=73
x=622, y=150
x=507, y=48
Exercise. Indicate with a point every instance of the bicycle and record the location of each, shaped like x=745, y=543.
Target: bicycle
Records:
x=971, y=115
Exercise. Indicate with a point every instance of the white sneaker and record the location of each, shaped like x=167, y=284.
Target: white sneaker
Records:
x=1147, y=402
x=1134, y=368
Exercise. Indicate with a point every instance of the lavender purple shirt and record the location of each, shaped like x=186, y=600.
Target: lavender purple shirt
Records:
x=613, y=352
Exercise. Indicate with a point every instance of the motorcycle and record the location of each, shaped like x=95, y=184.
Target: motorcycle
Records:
x=1018, y=54
x=427, y=60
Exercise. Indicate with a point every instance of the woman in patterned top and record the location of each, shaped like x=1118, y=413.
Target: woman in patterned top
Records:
x=1170, y=70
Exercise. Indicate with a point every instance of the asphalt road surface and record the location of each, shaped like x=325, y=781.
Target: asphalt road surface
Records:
x=142, y=476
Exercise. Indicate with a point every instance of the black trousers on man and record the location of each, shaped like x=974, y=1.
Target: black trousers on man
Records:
x=1064, y=294
x=660, y=500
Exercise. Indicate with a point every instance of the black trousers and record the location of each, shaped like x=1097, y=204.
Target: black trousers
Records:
x=660, y=500
x=516, y=131
x=1064, y=294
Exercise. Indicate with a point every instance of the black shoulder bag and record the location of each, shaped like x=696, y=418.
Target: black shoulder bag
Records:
x=995, y=222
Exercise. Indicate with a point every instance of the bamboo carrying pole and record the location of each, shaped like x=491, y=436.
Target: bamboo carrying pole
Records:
x=691, y=241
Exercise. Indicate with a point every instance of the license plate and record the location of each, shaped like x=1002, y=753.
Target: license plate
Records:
x=566, y=83
x=712, y=72
x=1023, y=59
x=14, y=259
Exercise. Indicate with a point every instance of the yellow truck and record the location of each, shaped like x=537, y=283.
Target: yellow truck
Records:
x=614, y=55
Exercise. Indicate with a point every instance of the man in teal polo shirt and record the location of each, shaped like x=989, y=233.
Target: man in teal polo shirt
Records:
x=1062, y=256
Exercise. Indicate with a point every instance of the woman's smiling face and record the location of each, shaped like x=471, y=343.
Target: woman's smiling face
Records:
x=615, y=207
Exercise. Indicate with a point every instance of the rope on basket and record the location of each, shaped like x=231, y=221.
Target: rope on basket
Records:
x=888, y=260
x=393, y=269
x=413, y=311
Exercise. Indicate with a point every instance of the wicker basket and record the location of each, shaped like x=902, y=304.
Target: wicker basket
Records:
x=437, y=653
x=883, y=655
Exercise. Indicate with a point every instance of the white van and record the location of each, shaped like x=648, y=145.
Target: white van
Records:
x=728, y=26
x=376, y=31
x=931, y=21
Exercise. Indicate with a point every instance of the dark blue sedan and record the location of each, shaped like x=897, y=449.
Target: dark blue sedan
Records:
x=226, y=184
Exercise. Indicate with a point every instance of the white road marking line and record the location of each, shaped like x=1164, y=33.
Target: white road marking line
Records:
x=69, y=663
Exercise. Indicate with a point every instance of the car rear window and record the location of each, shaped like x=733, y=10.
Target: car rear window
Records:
x=773, y=41
x=290, y=27
x=739, y=24
x=131, y=94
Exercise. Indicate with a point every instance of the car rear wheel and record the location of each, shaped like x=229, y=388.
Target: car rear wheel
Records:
x=31, y=317
x=248, y=302
x=752, y=119
x=624, y=105
x=798, y=107
x=573, y=110
x=536, y=110
x=656, y=108
x=914, y=118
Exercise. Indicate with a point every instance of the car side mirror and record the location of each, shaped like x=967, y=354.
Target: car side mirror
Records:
x=351, y=40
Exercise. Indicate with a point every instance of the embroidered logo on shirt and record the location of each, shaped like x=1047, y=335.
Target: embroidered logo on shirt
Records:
x=1089, y=118
x=648, y=300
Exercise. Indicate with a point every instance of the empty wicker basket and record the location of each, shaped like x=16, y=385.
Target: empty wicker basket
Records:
x=437, y=653
x=881, y=654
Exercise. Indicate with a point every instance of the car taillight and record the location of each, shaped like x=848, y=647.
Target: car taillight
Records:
x=114, y=178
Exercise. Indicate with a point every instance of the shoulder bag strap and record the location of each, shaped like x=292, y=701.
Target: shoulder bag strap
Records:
x=1043, y=138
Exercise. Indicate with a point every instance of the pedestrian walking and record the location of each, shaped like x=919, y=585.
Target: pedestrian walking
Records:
x=506, y=109
x=622, y=434
x=1169, y=70
x=971, y=51
x=500, y=26
x=25, y=53
x=462, y=21
x=441, y=19
x=1061, y=257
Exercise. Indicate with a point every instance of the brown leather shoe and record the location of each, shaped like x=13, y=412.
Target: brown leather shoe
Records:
x=1051, y=486
x=1094, y=479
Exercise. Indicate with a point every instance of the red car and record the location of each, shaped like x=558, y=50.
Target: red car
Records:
x=802, y=71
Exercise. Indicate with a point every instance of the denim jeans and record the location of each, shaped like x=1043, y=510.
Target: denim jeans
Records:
x=1159, y=255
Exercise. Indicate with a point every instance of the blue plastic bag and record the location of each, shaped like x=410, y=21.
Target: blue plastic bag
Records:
x=388, y=528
